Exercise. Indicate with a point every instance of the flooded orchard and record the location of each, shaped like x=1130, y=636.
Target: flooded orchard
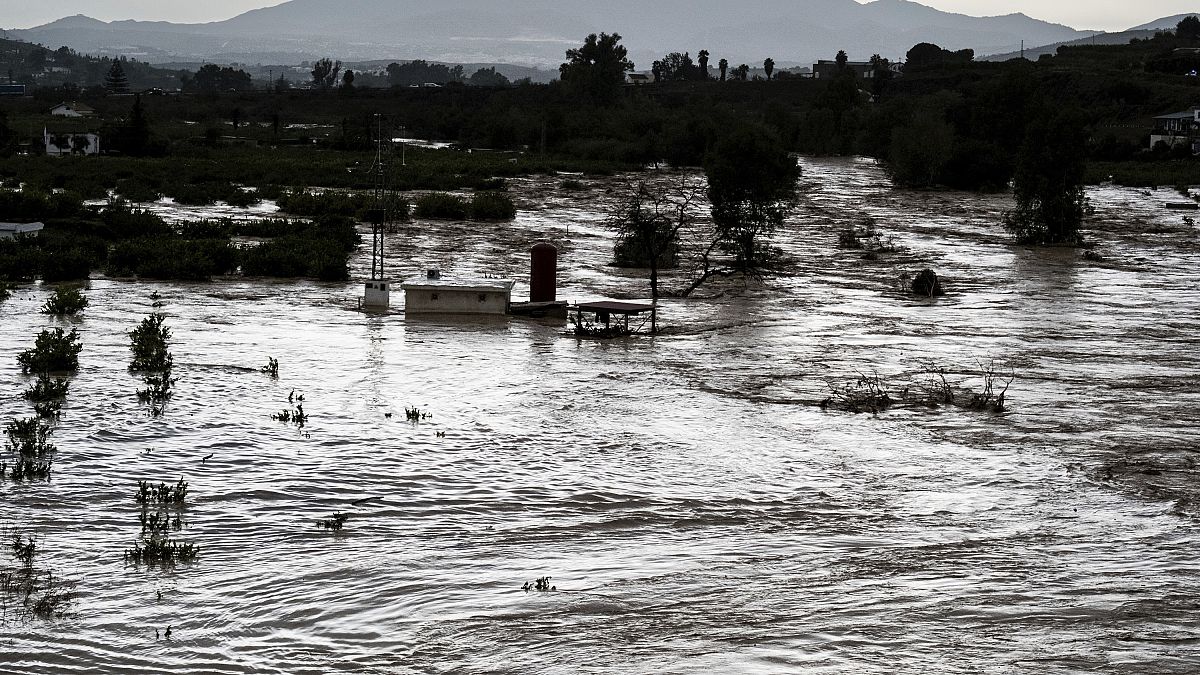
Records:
x=695, y=507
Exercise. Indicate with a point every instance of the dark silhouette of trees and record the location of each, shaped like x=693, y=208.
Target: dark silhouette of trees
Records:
x=325, y=73
x=212, y=77
x=925, y=56
x=769, y=67
x=751, y=185
x=1048, y=182
x=420, y=72
x=881, y=74
x=488, y=77
x=648, y=222
x=841, y=59
x=7, y=137
x=676, y=66
x=702, y=64
x=115, y=81
x=742, y=72
x=597, y=69
x=348, y=80
x=723, y=64
x=1188, y=28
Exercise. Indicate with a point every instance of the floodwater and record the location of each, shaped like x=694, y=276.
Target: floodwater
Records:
x=696, y=509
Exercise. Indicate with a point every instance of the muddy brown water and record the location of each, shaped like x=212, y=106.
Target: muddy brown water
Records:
x=695, y=508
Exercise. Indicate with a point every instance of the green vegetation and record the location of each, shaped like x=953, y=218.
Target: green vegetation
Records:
x=27, y=591
x=32, y=453
x=66, y=301
x=54, y=351
x=442, y=206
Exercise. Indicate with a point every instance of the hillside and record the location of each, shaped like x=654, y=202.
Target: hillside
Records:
x=35, y=65
x=539, y=31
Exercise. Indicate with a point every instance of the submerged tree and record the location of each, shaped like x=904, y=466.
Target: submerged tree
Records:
x=1048, y=182
x=597, y=69
x=648, y=223
x=751, y=187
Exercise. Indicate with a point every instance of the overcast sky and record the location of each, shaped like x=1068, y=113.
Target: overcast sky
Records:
x=1082, y=14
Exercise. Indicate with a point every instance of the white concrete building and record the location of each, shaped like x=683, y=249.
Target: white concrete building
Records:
x=12, y=230
x=58, y=145
x=431, y=294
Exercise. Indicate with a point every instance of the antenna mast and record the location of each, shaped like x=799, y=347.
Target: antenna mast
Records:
x=379, y=202
x=377, y=291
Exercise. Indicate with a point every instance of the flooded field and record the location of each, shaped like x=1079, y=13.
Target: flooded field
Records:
x=695, y=507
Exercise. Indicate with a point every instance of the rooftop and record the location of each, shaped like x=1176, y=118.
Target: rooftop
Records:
x=1183, y=115
x=613, y=307
x=458, y=284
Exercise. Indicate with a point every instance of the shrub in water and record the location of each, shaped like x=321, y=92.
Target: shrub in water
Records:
x=148, y=342
x=66, y=301
x=53, y=351
x=492, y=206
x=441, y=205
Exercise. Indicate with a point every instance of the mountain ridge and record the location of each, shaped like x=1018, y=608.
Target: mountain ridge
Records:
x=537, y=32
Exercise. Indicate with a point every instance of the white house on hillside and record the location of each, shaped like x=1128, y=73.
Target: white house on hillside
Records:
x=65, y=109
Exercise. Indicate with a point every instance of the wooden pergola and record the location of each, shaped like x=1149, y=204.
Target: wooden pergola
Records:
x=595, y=319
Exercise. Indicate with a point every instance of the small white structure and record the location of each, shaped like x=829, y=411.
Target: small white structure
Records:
x=377, y=295
x=72, y=109
x=432, y=294
x=13, y=230
x=58, y=145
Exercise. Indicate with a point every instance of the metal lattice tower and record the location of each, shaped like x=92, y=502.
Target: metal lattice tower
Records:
x=380, y=202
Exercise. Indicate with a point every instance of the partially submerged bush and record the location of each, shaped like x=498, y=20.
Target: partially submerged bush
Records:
x=927, y=284
x=47, y=395
x=6, y=290
x=149, y=344
x=172, y=258
x=441, y=205
x=54, y=351
x=866, y=394
x=66, y=301
x=492, y=206
x=152, y=358
x=29, y=592
x=162, y=493
x=33, y=454
x=865, y=237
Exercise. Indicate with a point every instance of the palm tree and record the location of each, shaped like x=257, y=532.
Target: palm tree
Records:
x=723, y=64
x=702, y=61
x=769, y=67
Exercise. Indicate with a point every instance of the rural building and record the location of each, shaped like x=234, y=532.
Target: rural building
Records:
x=1177, y=129
x=824, y=70
x=58, y=145
x=12, y=230
x=65, y=109
x=431, y=294
x=12, y=90
x=637, y=78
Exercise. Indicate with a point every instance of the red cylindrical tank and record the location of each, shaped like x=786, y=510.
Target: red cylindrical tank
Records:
x=543, y=273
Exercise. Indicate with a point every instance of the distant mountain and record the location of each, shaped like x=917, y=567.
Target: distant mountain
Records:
x=1142, y=32
x=1034, y=53
x=1164, y=23
x=537, y=32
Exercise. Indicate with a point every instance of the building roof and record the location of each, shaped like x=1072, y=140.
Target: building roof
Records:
x=20, y=228
x=1184, y=115
x=77, y=107
x=461, y=284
